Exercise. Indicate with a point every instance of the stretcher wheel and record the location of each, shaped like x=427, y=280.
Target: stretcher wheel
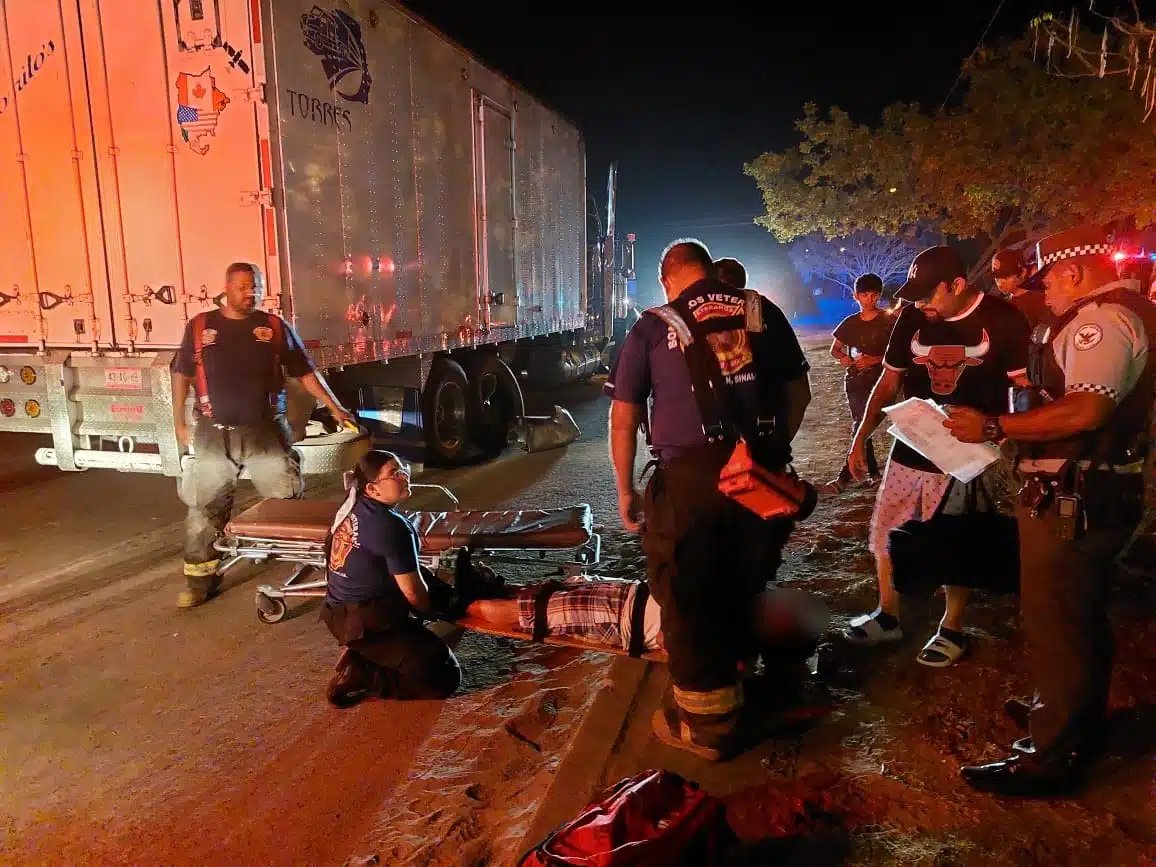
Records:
x=270, y=610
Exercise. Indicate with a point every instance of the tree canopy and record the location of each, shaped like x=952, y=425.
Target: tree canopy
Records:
x=843, y=261
x=1024, y=151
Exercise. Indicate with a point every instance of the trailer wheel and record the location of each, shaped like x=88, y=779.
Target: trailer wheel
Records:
x=445, y=412
x=495, y=401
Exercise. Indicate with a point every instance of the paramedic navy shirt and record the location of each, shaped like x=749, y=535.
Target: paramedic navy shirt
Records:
x=651, y=366
x=968, y=360
x=367, y=549
x=239, y=364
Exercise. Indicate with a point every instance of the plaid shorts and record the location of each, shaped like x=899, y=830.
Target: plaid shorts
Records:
x=582, y=609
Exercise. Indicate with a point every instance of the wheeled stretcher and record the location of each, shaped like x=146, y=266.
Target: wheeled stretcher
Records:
x=294, y=531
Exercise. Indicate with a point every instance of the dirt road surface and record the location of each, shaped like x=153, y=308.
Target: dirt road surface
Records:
x=136, y=733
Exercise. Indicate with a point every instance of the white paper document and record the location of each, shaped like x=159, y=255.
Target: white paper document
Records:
x=918, y=423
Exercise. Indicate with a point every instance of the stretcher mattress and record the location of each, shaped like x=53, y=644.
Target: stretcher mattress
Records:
x=310, y=520
x=475, y=624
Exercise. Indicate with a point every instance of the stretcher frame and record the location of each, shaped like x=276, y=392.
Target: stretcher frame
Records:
x=310, y=556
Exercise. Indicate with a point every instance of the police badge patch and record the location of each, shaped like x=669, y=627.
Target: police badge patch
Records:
x=1088, y=336
x=263, y=333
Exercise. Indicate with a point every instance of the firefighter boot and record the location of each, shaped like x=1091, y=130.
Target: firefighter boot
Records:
x=203, y=584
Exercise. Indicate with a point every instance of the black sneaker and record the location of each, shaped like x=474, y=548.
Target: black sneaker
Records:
x=352, y=681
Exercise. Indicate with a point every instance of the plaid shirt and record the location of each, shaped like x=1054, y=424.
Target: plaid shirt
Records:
x=583, y=609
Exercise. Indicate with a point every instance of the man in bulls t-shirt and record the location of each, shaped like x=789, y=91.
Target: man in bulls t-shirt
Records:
x=953, y=345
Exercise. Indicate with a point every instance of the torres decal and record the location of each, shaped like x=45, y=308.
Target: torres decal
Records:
x=26, y=71
x=335, y=37
x=319, y=111
x=199, y=107
x=945, y=364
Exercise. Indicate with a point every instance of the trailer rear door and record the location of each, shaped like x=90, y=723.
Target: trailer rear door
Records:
x=496, y=232
x=134, y=158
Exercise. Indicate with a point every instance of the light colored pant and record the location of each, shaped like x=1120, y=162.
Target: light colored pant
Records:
x=209, y=485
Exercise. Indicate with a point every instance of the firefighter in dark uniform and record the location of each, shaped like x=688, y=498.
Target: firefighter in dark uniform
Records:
x=707, y=556
x=235, y=359
x=1081, y=460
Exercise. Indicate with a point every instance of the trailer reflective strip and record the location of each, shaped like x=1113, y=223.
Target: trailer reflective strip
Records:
x=270, y=232
x=266, y=165
x=13, y=338
x=255, y=17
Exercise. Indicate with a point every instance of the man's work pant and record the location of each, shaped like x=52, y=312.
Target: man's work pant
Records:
x=1063, y=602
x=707, y=557
x=208, y=487
x=857, y=398
x=408, y=661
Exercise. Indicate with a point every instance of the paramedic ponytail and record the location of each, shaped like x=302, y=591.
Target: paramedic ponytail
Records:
x=356, y=480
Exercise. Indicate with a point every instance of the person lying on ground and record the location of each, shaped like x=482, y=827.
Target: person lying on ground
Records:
x=604, y=611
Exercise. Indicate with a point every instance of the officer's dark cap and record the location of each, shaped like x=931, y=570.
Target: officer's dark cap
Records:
x=931, y=267
x=868, y=284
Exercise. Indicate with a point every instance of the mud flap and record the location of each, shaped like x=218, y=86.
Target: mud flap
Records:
x=539, y=433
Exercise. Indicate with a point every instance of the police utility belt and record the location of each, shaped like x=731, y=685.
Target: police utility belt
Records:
x=1076, y=496
x=769, y=493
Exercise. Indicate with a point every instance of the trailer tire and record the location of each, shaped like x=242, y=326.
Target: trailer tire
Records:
x=446, y=412
x=495, y=402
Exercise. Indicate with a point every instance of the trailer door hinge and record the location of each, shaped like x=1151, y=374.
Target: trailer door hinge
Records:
x=264, y=198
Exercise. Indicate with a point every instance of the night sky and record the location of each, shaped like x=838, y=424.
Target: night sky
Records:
x=682, y=104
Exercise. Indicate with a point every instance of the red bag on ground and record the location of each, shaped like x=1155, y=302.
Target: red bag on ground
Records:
x=655, y=819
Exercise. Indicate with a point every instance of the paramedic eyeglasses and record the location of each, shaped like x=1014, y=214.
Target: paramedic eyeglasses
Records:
x=396, y=473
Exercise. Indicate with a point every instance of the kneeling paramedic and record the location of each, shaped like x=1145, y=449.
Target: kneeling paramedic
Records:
x=377, y=595
x=236, y=359
x=707, y=555
x=1082, y=454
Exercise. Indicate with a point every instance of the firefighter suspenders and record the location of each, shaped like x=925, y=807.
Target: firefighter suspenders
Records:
x=200, y=379
x=713, y=425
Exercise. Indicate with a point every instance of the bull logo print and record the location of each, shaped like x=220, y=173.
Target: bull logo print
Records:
x=945, y=364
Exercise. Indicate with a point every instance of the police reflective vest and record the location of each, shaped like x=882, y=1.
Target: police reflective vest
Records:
x=1124, y=439
x=204, y=404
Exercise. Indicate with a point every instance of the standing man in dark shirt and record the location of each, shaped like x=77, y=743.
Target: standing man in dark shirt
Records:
x=236, y=360
x=1011, y=272
x=956, y=346
x=707, y=556
x=859, y=343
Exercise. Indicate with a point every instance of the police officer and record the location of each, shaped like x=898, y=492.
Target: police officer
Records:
x=1011, y=273
x=235, y=359
x=1081, y=458
x=707, y=556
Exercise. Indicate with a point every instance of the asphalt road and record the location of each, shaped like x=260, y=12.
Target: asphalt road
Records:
x=133, y=731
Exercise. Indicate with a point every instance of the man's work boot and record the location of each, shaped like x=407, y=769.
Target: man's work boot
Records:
x=672, y=729
x=203, y=584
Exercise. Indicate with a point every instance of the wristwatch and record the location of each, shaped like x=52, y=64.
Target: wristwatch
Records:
x=992, y=429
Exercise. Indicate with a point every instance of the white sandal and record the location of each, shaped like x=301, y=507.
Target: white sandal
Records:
x=872, y=631
x=946, y=652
